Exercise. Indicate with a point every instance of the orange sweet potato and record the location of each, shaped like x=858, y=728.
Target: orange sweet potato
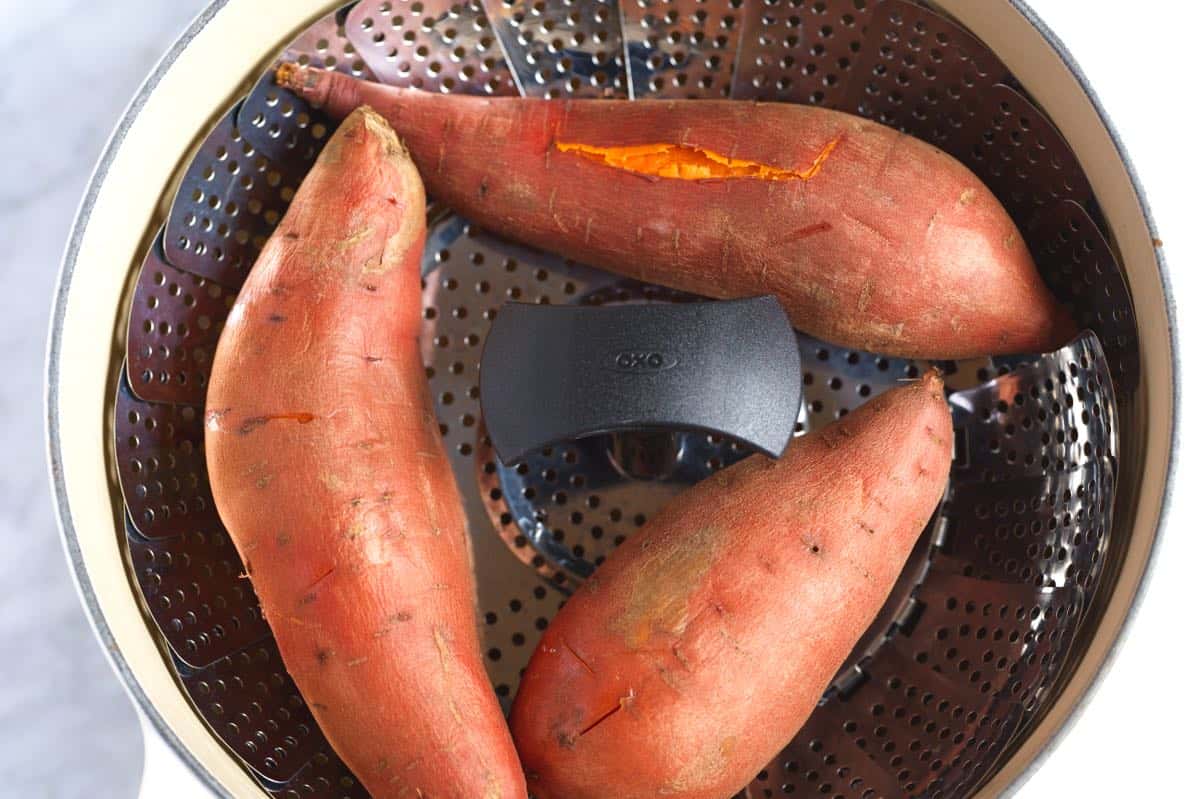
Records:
x=871, y=239
x=327, y=468
x=697, y=651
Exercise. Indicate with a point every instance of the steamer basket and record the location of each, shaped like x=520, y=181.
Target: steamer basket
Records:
x=1013, y=600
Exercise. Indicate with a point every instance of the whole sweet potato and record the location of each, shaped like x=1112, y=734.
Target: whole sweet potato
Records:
x=700, y=647
x=328, y=470
x=871, y=239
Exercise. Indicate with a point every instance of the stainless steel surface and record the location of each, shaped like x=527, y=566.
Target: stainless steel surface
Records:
x=562, y=49
x=509, y=643
x=1083, y=269
x=175, y=318
x=160, y=465
x=326, y=44
x=917, y=724
x=252, y=703
x=231, y=198
x=238, y=186
x=197, y=594
x=1047, y=415
x=795, y=51
x=1021, y=156
x=922, y=73
x=437, y=45
x=279, y=126
x=681, y=48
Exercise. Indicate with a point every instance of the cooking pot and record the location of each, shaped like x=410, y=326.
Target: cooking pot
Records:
x=91, y=391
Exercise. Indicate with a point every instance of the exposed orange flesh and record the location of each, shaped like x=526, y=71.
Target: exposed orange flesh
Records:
x=287, y=72
x=691, y=163
x=871, y=239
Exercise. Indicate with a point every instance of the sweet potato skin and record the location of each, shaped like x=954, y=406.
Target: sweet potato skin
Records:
x=890, y=245
x=697, y=651
x=328, y=471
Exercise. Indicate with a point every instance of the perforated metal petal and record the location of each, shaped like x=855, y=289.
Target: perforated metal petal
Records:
x=282, y=127
x=197, y=592
x=916, y=728
x=800, y=51
x=230, y=200
x=159, y=450
x=821, y=761
x=922, y=73
x=1077, y=263
x=566, y=508
x=935, y=705
x=1021, y=156
x=562, y=49
x=254, y=707
x=1002, y=640
x=1047, y=415
x=1044, y=530
x=681, y=48
x=323, y=777
x=436, y=45
x=517, y=606
x=325, y=44
x=175, y=319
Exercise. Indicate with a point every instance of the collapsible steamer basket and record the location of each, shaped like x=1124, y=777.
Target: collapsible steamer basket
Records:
x=1011, y=603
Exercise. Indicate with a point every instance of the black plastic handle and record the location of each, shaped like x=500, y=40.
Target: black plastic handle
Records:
x=552, y=373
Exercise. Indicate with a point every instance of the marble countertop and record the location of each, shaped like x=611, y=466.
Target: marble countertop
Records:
x=66, y=727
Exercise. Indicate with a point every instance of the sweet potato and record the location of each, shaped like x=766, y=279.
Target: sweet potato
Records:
x=871, y=239
x=328, y=470
x=697, y=651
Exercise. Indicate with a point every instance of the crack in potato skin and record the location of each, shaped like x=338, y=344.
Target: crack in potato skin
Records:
x=735, y=198
x=683, y=162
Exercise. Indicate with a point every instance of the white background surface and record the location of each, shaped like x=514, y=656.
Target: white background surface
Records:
x=1137, y=737
x=70, y=66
